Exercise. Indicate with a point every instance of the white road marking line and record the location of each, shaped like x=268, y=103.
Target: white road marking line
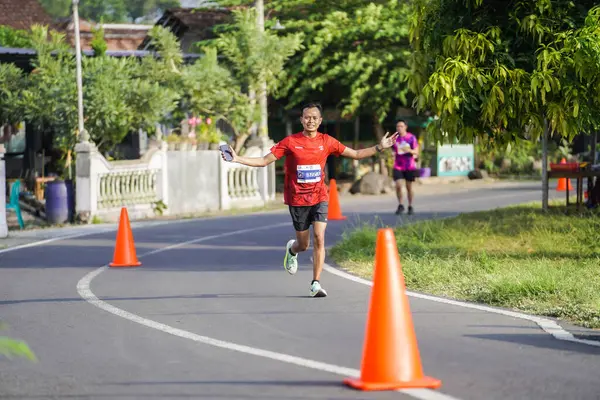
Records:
x=54, y=239
x=92, y=230
x=546, y=325
x=83, y=288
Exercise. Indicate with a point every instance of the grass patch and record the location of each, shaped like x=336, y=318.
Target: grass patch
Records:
x=516, y=257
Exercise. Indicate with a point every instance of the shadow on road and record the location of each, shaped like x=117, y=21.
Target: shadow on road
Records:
x=93, y=252
x=183, y=296
x=231, y=382
x=540, y=340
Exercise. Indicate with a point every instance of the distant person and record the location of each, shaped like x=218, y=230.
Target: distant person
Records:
x=406, y=149
x=305, y=191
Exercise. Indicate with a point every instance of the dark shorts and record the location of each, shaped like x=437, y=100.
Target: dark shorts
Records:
x=409, y=176
x=304, y=216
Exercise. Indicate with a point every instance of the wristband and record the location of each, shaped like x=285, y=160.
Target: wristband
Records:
x=377, y=148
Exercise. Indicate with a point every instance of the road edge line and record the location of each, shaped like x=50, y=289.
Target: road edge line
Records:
x=547, y=325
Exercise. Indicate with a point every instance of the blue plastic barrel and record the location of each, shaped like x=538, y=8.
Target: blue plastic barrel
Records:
x=59, y=201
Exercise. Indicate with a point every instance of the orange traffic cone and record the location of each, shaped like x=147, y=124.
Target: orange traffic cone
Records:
x=124, y=249
x=335, y=211
x=391, y=358
x=563, y=182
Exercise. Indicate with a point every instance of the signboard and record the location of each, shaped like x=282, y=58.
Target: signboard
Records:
x=455, y=160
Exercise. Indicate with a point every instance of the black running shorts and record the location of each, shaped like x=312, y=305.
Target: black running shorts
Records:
x=409, y=176
x=304, y=216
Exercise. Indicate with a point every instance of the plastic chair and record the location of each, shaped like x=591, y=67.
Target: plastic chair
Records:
x=13, y=203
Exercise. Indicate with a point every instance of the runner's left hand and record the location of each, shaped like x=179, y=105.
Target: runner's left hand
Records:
x=387, y=142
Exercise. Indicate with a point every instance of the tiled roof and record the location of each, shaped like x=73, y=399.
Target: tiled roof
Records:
x=198, y=18
x=117, y=36
x=200, y=21
x=22, y=14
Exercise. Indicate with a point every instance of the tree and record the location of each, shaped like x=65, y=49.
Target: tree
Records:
x=210, y=89
x=363, y=50
x=120, y=95
x=12, y=82
x=506, y=69
x=10, y=37
x=48, y=100
x=255, y=56
x=358, y=50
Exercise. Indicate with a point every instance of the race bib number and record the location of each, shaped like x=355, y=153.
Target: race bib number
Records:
x=403, y=147
x=308, y=173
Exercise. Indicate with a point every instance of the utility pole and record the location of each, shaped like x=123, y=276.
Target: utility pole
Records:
x=83, y=135
x=263, y=129
x=261, y=138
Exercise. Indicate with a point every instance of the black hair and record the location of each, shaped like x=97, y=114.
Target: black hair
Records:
x=401, y=120
x=313, y=105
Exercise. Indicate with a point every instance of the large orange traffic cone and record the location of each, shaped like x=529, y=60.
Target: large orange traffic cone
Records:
x=563, y=182
x=335, y=211
x=391, y=358
x=124, y=248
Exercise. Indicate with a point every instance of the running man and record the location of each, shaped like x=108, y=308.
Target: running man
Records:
x=406, y=148
x=305, y=191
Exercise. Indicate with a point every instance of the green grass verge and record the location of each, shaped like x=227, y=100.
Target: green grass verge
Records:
x=516, y=257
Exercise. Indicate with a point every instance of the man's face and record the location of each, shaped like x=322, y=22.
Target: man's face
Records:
x=401, y=128
x=311, y=119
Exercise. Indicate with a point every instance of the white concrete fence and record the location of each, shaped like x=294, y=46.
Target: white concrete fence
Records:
x=185, y=181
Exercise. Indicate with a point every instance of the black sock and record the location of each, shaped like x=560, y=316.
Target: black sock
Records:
x=291, y=252
x=314, y=280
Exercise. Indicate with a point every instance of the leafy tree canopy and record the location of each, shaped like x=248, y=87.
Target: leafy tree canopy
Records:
x=356, y=51
x=504, y=67
x=10, y=37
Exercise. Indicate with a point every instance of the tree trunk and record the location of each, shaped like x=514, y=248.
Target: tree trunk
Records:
x=239, y=142
x=254, y=128
x=594, y=159
x=545, y=166
x=379, y=132
x=355, y=163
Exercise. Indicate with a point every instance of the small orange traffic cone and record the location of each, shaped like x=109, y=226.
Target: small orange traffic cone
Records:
x=391, y=358
x=124, y=248
x=335, y=211
x=563, y=182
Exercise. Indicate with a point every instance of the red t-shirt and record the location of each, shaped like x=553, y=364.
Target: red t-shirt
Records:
x=305, y=167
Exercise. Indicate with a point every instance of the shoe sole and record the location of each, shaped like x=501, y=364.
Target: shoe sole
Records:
x=287, y=254
x=320, y=293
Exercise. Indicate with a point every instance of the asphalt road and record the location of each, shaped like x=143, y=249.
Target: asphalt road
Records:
x=218, y=318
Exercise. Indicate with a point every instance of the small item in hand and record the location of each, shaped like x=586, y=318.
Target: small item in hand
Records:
x=226, y=152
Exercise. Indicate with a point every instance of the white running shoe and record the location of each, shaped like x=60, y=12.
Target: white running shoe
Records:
x=316, y=290
x=290, y=262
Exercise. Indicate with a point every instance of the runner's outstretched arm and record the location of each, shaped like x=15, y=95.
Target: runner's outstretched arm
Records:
x=251, y=161
x=386, y=143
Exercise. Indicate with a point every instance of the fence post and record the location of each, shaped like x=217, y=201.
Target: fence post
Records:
x=3, y=226
x=224, y=199
x=86, y=193
x=163, y=179
x=266, y=176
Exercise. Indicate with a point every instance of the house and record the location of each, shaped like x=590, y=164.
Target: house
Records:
x=191, y=25
x=126, y=37
x=22, y=14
